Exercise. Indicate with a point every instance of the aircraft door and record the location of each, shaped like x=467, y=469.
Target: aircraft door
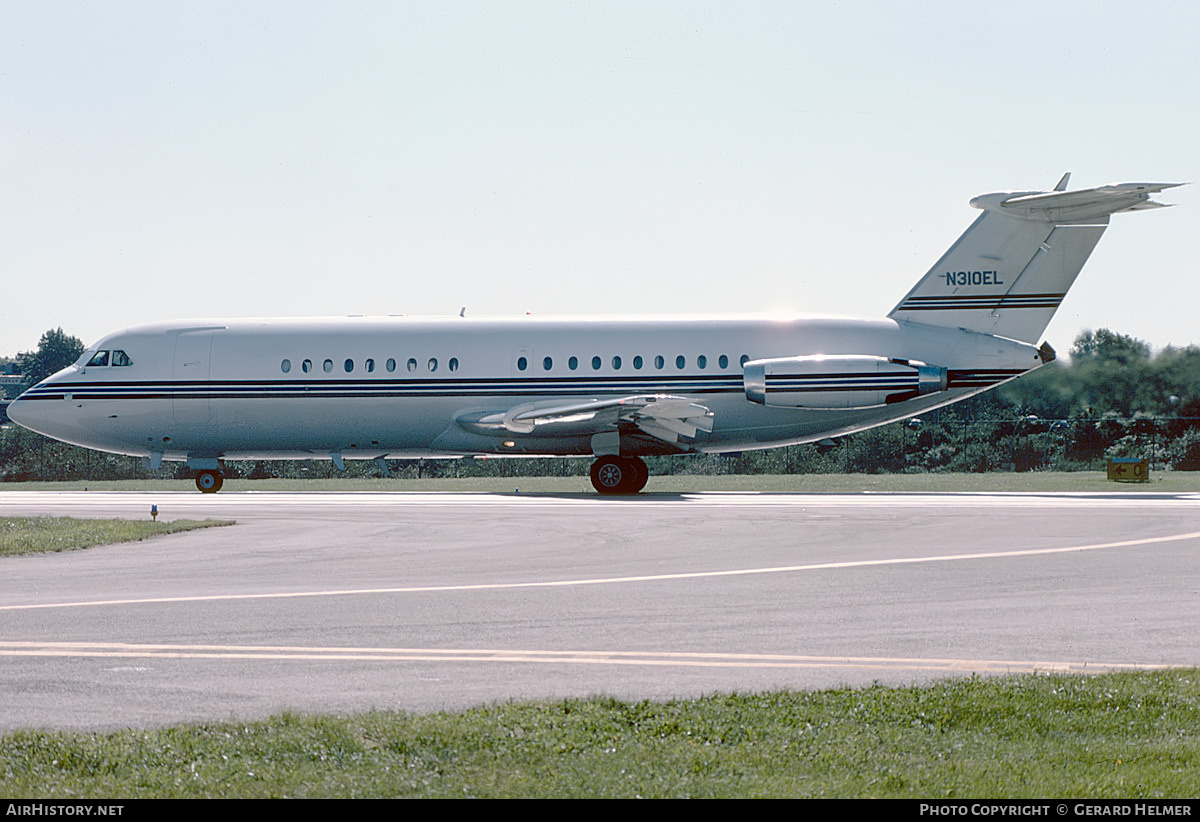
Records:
x=190, y=374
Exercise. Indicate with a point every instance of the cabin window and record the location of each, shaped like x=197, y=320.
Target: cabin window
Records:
x=522, y=363
x=680, y=361
x=432, y=364
x=348, y=365
x=616, y=362
x=702, y=361
x=119, y=357
x=453, y=364
x=659, y=362
x=98, y=359
x=390, y=365
x=547, y=364
x=285, y=366
x=412, y=364
x=637, y=363
x=328, y=366
x=369, y=365
x=573, y=363
x=595, y=363
x=723, y=361
x=745, y=358
x=306, y=366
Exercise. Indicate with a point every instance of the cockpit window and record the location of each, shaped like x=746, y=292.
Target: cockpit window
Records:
x=98, y=359
x=119, y=357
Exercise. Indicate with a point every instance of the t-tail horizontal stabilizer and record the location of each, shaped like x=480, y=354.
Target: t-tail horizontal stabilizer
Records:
x=1009, y=272
x=1074, y=206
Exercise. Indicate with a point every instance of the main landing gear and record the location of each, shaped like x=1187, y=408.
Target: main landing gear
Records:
x=619, y=475
x=209, y=481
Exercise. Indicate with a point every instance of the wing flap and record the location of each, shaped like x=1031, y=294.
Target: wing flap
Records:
x=661, y=416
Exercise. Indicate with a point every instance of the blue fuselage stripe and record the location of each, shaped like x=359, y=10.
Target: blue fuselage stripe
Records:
x=466, y=387
x=284, y=389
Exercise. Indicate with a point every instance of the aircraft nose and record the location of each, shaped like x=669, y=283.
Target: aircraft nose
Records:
x=26, y=413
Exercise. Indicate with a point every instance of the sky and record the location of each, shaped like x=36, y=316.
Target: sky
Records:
x=300, y=158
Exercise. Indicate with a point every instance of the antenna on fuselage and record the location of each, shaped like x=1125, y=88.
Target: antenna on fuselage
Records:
x=462, y=312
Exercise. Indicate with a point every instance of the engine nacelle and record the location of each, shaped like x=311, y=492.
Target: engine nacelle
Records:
x=839, y=381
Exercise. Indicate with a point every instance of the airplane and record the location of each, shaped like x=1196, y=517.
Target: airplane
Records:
x=614, y=389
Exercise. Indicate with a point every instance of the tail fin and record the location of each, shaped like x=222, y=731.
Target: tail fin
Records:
x=1008, y=273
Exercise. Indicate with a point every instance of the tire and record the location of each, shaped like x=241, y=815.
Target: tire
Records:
x=619, y=475
x=640, y=474
x=612, y=475
x=209, y=482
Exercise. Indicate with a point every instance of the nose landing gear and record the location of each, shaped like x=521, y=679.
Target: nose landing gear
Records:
x=619, y=475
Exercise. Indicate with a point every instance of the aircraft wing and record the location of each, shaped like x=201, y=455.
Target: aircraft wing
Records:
x=662, y=416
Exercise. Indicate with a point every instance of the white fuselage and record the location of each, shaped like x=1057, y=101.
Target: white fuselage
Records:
x=617, y=389
x=366, y=387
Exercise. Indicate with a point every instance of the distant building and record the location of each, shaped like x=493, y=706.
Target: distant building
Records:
x=11, y=383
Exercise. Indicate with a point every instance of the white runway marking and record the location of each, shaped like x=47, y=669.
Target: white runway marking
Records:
x=121, y=650
x=251, y=499
x=495, y=586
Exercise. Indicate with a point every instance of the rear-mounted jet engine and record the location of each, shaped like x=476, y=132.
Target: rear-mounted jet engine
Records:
x=839, y=381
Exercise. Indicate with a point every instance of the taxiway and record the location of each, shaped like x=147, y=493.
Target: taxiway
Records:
x=349, y=601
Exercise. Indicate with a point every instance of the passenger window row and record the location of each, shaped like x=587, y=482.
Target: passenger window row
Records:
x=660, y=362
x=431, y=365
x=369, y=365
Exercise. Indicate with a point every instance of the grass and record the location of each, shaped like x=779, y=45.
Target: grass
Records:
x=1127, y=735
x=1030, y=482
x=41, y=535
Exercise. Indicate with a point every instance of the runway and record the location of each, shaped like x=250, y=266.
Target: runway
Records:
x=349, y=601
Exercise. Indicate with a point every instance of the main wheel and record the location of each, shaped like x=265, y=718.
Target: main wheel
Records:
x=612, y=475
x=640, y=474
x=209, y=482
x=619, y=475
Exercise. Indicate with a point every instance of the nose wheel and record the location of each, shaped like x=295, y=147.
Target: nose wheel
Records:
x=619, y=475
x=209, y=482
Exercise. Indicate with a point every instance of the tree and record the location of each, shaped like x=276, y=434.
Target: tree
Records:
x=56, y=350
x=1115, y=374
x=1109, y=346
